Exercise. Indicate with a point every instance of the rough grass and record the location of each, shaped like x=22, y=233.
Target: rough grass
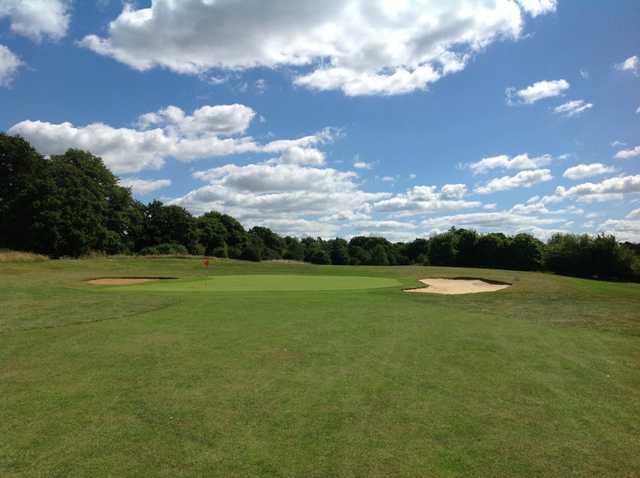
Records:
x=17, y=256
x=540, y=379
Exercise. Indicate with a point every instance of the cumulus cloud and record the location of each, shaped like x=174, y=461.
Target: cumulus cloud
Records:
x=538, y=7
x=144, y=186
x=37, y=19
x=582, y=171
x=356, y=46
x=127, y=150
x=211, y=131
x=631, y=64
x=268, y=192
x=608, y=189
x=623, y=229
x=273, y=178
x=218, y=120
x=519, y=162
x=501, y=220
x=9, y=66
x=536, y=92
x=628, y=153
x=304, y=200
x=573, y=108
x=524, y=179
x=425, y=200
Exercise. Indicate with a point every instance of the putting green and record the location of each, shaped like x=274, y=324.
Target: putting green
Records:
x=271, y=282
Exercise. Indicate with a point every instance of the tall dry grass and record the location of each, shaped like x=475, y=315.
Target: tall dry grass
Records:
x=17, y=256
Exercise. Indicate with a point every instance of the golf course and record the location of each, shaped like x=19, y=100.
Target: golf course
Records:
x=291, y=369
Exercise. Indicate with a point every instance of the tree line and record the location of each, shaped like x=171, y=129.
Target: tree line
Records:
x=72, y=205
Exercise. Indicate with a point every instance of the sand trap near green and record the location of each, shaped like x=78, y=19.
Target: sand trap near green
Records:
x=267, y=282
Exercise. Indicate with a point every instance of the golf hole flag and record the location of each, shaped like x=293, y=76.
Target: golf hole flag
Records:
x=206, y=262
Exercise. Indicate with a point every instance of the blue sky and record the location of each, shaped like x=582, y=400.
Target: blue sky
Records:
x=394, y=118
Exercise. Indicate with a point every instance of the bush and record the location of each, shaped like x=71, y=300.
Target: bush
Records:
x=586, y=256
x=167, y=249
x=220, y=251
x=319, y=256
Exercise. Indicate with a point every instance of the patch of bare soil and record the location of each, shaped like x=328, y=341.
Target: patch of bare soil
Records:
x=457, y=286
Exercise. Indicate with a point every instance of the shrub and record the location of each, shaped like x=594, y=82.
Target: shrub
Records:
x=319, y=256
x=166, y=249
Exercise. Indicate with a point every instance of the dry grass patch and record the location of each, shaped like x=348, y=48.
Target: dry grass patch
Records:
x=17, y=256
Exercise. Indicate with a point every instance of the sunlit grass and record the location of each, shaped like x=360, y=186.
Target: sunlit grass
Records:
x=540, y=379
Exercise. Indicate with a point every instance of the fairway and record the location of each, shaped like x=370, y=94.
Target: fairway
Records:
x=267, y=282
x=315, y=371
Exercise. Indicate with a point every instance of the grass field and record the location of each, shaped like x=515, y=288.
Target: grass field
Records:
x=314, y=372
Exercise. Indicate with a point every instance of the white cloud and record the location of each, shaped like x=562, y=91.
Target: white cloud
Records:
x=426, y=199
x=453, y=191
x=617, y=143
x=624, y=230
x=127, y=150
x=524, y=179
x=144, y=186
x=261, y=85
x=9, y=66
x=291, y=198
x=537, y=91
x=573, y=108
x=220, y=120
x=388, y=179
x=631, y=64
x=174, y=135
x=608, y=189
x=271, y=178
x=519, y=162
x=628, y=153
x=503, y=221
x=582, y=171
x=538, y=7
x=584, y=74
x=638, y=111
x=37, y=18
x=359, y=164
x=537, y=206
x=356, y=46
x=300, y=155
x=635, y=214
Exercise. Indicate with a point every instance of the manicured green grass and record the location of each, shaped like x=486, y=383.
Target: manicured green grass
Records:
x=541, y=379
x=263, y=282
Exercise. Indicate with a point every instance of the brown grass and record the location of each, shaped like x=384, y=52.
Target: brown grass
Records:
x=17, y=256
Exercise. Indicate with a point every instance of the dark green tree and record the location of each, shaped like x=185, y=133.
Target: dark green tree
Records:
x=273, y=244
x=23, y=181
x=212, y=234
x=465, y=244
x=339, y=251
x=236, y=237
x=294, y=249
x=168, y=224
x=379, y=256
x=442, y=250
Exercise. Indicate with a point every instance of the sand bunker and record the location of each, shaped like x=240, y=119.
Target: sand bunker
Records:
x=457, y=286
x=123, y=281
